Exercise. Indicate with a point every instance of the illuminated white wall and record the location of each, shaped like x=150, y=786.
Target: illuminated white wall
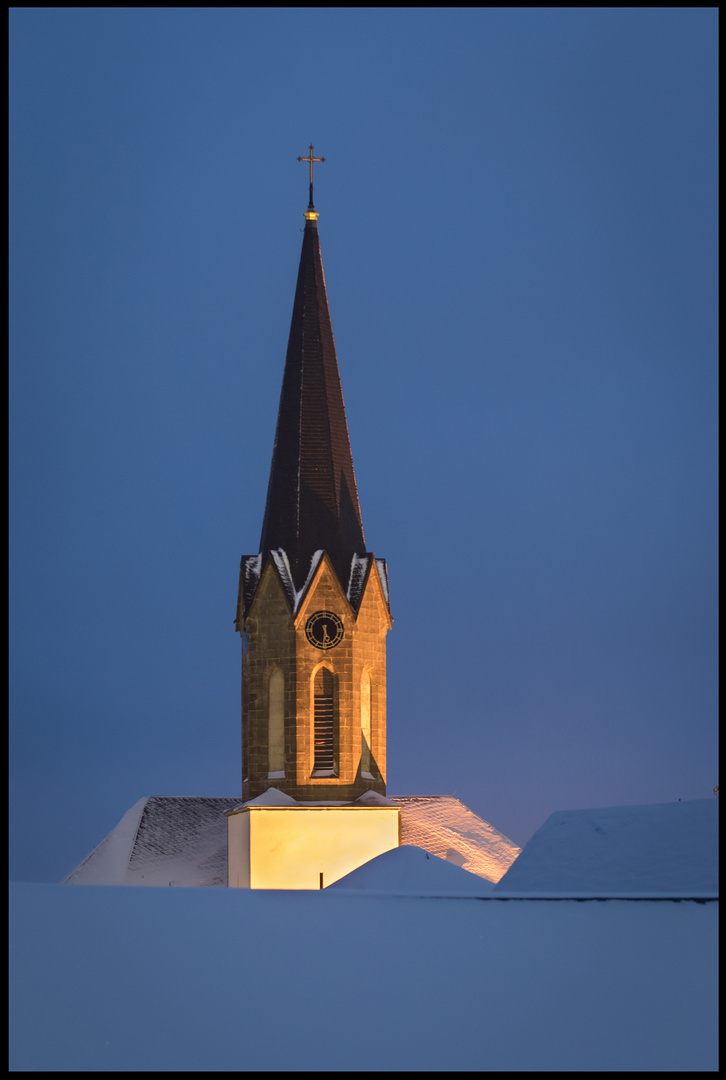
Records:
x=289, y=847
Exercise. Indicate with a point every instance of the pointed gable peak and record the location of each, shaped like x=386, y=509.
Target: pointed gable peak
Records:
x=361, y=572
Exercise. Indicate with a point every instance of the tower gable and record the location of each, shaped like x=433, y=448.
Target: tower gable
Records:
x=251, y=571
x=365, y=569
x=271, y=584
x=323, y=590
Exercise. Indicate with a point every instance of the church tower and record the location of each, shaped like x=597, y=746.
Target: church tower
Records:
x=313, y=607
x=313, y=613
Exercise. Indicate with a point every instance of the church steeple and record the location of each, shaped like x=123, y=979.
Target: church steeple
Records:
x=312, y=500
x=313, y=604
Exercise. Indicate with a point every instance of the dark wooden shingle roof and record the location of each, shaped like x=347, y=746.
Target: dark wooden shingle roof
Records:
x=312, y=500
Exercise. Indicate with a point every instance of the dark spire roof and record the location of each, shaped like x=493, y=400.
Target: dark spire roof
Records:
x=312, y=500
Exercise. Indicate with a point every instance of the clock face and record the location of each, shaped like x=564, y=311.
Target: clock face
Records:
x=324, y=630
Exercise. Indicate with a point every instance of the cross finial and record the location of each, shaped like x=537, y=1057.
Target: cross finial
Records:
x=311, y=159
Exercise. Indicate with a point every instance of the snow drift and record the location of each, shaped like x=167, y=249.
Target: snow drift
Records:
x=409, y=870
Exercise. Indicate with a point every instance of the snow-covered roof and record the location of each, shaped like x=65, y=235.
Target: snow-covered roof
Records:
x=442, y=825
x=359, y=569
x=182, y=840
x=281, y=561
x=662, y=849
x=358, y=575
x=162, y=840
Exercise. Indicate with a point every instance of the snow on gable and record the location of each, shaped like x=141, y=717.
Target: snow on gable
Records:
x=383, y=574
x=358, y=571
x=282, y=563
x=374, y=798
x=270, y=797
x=280, y=560
x=251, y=571
x=314, y=562
x=662, y=849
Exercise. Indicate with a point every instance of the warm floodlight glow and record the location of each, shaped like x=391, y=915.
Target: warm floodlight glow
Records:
x=289, y=847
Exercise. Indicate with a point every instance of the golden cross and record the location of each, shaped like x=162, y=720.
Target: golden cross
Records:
x=311, y=159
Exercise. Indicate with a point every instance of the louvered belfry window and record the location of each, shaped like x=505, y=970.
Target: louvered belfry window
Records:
x=324, y=699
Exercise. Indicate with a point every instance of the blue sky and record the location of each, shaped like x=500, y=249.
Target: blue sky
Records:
x=518, y=227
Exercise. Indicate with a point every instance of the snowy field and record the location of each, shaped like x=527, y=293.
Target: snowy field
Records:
x=114, y=978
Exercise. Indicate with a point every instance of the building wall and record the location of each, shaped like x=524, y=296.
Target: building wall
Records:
x=369, y=654
x=268, y=643
x=276, y=640
x=238, y=851
x=287, y=847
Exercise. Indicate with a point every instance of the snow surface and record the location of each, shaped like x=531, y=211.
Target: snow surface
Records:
x=282, y=563
x=409, y=870
x=123, y=979
x=666, y=848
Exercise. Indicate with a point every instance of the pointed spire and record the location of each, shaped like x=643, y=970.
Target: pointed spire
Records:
x=312, y=500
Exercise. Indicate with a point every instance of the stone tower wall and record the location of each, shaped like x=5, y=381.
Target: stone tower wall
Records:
x=274, y=638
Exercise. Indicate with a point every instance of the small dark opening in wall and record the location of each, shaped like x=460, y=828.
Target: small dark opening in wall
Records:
x=324, y=721
x=321, y=879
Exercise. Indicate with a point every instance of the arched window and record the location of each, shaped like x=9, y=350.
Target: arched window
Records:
x=324, y=722
x=365, y=727
x=276, y=724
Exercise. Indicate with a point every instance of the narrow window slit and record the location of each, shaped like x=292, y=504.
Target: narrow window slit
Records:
x=324, y=721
